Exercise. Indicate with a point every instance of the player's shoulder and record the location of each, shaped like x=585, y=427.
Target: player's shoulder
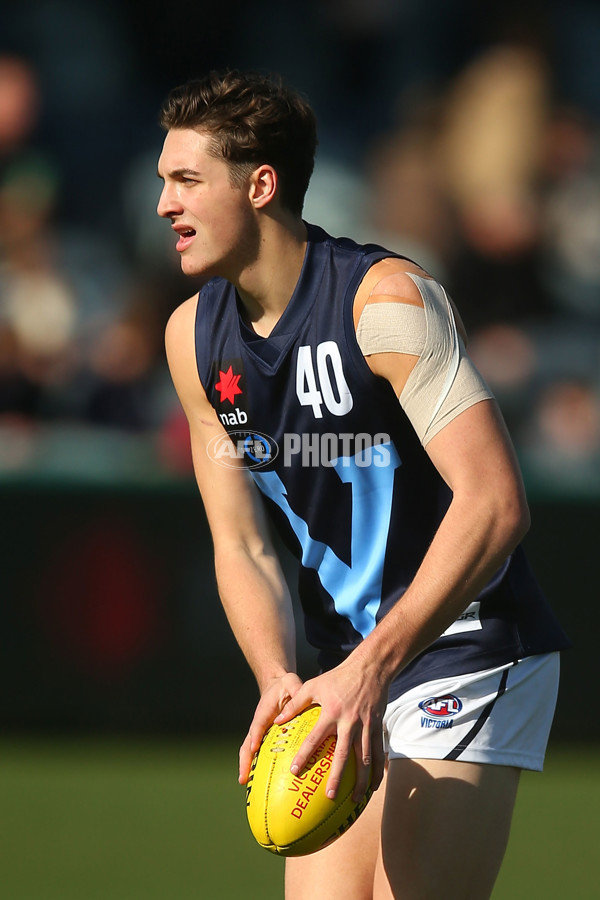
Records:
x=180, y=345
x=181, y=320
x=390, y=280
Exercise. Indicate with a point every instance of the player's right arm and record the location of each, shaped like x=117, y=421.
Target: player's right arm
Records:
x=251, y=584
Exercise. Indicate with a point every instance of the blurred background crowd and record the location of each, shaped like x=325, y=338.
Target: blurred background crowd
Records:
x=464, y=135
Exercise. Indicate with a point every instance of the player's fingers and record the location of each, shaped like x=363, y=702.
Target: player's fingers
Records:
x=271, y=703
x=252, y=742
x=343, y=748
x=246, y=756
x=258, y=728
x=294, y=705
x=372, y=753
x=364, y=766
x=261, y=722
x=313, y=742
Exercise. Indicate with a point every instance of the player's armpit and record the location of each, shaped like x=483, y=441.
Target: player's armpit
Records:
x=394, y=367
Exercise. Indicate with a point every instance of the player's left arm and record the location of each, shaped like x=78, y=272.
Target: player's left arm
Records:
x=487, y=517
x=468, y=443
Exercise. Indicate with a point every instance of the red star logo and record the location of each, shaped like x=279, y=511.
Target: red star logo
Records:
x=228, y=385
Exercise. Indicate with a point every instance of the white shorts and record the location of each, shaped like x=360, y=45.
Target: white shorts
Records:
x=500, y=716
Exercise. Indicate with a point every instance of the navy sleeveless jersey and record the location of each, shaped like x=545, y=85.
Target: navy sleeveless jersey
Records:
x=343, y=474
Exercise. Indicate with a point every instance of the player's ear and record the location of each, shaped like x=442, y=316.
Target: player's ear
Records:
x=263, y=186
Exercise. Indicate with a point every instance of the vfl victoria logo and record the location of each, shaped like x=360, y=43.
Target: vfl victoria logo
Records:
x=251, y=447
x=439, y=711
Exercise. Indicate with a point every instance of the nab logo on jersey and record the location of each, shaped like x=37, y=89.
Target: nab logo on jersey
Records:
x=228, y=381
x=441, y=707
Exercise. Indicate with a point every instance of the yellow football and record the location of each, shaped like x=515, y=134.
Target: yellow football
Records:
x=291, y=814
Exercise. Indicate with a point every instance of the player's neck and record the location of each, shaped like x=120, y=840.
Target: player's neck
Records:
x=266, y=286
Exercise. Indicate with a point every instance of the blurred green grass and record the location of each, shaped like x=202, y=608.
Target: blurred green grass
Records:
x=128, y=819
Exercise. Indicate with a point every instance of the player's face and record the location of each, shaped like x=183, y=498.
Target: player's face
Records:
x=213, y=220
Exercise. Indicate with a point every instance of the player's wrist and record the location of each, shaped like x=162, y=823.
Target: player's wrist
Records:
x=276, y=675
x=375, y=665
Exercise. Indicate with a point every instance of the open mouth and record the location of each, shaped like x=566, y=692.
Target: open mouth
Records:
x=185, y=239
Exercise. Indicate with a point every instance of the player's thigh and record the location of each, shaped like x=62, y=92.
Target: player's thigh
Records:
x=445, y=828
x=344, y=870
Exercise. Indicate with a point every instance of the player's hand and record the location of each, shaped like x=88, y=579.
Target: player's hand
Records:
x=273, y=700
x=352, y=706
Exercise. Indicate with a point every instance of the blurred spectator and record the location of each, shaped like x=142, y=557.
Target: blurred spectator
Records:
x=571, y=236
x=490, y=156
x=507, y=357
x=19, y=104
x=491, y=144
x=568, y=419
x=124, y=366
x=409, y=208
x=561, y=445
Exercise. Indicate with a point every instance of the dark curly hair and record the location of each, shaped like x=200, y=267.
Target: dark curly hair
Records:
x=251, y=119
